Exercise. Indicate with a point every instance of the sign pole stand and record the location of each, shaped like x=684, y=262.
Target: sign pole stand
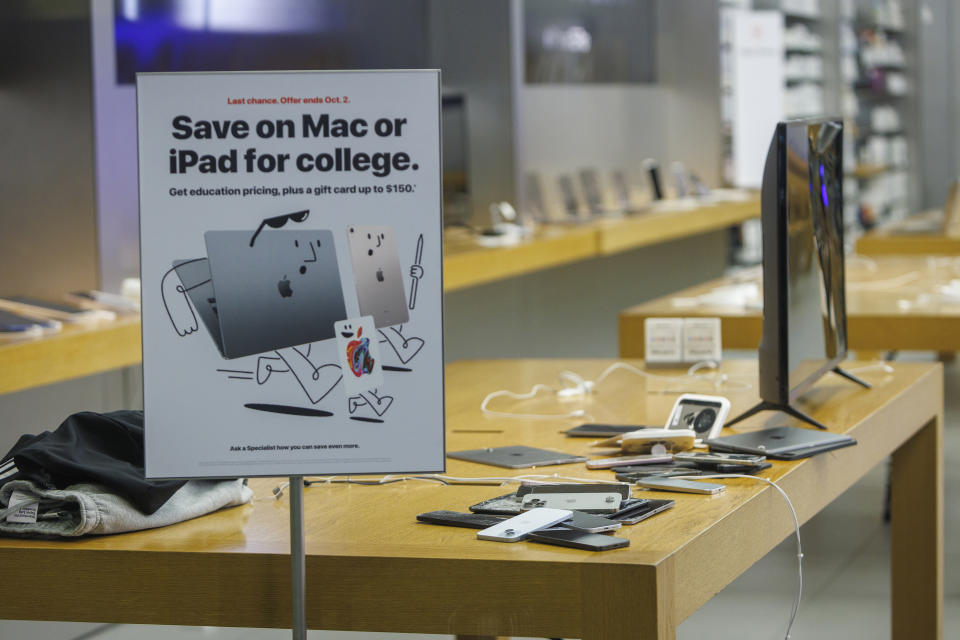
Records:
x=298, y=560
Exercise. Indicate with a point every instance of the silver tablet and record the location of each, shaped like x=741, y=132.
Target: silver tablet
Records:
x=377, y=274
x=515, y=456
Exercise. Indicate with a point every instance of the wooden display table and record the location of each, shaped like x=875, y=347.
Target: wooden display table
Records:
x=74, y=352
x=467, y=264
x=892, y=304
x=899, y=239
x=662, y=225
x=371, y=566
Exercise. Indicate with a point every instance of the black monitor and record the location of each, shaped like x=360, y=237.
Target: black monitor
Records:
x=804, y=302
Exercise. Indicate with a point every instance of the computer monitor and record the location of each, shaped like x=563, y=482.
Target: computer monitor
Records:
x=804, y=302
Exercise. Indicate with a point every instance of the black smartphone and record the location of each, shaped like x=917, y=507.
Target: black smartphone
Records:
x=602, y=430
x=737, y=468
x=13, y=323
x=508, y=504
x=639, y=513
x=456, y=519
x=653, y=172
x=578, y=539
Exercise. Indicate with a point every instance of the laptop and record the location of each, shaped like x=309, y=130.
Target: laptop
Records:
x=781, y=443
x=281, y=292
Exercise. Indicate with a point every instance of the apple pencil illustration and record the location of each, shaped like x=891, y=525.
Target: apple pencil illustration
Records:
x=415, y=277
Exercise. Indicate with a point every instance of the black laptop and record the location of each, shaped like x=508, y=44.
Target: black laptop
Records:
x=782, y=443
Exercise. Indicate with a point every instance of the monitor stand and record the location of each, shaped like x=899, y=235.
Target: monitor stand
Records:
x=791, y=411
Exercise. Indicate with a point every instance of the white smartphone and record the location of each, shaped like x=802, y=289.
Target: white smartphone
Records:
x=681, y=486
x=623, y=461
x=518, y=527
x=604, y=502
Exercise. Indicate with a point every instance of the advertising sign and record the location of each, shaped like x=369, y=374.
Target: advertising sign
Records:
x=291, y=267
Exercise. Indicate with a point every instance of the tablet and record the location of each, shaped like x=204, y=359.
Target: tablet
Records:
x=515, y=457
x=782, y=443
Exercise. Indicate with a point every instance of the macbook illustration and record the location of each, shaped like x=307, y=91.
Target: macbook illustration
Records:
x=377, y=274
x=281, y=291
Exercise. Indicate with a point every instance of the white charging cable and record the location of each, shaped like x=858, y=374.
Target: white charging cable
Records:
x=537, y=388
x=882, y=285
x=796, y=524
x=499, y=481
x=576, y=386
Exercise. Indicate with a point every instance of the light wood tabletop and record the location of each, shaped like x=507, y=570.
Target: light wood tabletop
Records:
x=74, y=352
x=893, y=303
x=467, y=264
x=371, y=566
x=904, y=238
x=670, y=223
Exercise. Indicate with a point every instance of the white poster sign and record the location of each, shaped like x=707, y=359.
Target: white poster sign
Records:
x=757, y=76
x=291, y=267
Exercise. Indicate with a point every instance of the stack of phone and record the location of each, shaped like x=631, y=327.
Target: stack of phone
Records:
x=685, y=463
x=562, y=527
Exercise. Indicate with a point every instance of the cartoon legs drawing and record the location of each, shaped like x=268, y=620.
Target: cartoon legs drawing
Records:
x=404, y=348
x=379, y=405
x=316, y=381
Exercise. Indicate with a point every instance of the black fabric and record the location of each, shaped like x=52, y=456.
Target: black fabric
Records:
x=102, y=448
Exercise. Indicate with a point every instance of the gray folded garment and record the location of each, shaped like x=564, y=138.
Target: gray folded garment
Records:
x=85, y=509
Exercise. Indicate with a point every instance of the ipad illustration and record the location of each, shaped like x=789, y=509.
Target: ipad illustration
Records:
x=282, y=291
x=377, y=274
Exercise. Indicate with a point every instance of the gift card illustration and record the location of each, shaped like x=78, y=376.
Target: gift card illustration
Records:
x=358, y=350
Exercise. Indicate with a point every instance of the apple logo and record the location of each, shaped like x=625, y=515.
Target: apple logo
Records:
x=284, y=286
x=379, y=275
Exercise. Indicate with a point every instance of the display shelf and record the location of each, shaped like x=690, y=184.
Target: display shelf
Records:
x=74, y=352
x=893, y=303
x=867, y=171
x=468, y=264
x=802, y=17
x=615, y=236
x=902, y=238
x=894, y=30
